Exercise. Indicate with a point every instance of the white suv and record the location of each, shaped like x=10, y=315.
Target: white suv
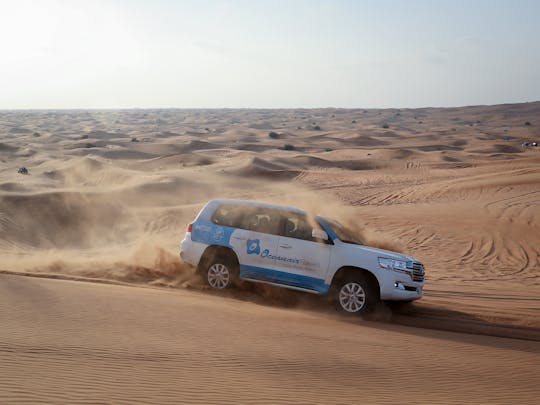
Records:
x=233, y=239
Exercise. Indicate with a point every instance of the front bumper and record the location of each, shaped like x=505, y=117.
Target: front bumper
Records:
x=400, y=287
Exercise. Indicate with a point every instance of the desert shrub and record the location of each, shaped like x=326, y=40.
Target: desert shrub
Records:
x=4, y=147
x=317, y=128
x=273, y=135
x=353, y=122
x=288, y=146
x=36, y=134
x=299, y=127
x=134, y=139
x=328, y=150
x=527, y=123
x=84, y=136
x=386, y=126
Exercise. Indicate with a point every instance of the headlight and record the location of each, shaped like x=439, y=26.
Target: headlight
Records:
x=400, y=265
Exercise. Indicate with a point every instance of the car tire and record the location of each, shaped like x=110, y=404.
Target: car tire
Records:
x=221, y=273
x=355, y=295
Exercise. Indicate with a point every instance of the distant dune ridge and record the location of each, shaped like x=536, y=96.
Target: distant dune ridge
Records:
x=454, y=187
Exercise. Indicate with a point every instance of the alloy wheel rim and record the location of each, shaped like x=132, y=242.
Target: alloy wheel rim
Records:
x=352, y=297
x=218, y=276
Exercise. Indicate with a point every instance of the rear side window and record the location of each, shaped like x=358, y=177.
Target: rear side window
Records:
x=257, y=219
x=228, y=215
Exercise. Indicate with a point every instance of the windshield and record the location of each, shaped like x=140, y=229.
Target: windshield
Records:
x=344, y=234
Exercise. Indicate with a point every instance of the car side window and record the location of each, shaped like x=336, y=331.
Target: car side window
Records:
x=297, y=226
x=261, y=220
x=228, y=215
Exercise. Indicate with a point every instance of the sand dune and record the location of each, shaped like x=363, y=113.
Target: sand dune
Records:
x=258, y=167
x=107, y=200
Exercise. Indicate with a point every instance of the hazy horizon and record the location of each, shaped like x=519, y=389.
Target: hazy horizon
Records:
x=261, y=108
x=238, y=54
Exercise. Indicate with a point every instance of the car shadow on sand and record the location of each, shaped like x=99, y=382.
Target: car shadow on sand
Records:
x=423, y=317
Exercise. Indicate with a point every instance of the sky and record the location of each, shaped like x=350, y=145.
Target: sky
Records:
x=267, y=54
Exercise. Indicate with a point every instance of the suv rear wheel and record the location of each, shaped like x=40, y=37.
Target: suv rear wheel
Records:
x=221, y=273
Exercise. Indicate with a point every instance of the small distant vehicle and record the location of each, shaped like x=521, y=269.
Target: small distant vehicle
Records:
x=233, y=240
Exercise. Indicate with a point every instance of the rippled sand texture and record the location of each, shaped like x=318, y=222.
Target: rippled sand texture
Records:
x=114, y=344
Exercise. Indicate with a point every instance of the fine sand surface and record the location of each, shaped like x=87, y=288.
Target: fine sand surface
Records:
x=71, y=342
x=108, y=197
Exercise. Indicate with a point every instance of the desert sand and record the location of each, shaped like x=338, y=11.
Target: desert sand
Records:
x=96, y=306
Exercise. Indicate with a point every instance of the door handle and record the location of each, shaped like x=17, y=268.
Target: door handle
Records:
x=285, y=246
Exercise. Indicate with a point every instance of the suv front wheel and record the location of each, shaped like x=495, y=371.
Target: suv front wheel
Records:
x=355, y=295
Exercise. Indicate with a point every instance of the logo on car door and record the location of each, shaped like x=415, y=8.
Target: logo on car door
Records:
x=253, y=246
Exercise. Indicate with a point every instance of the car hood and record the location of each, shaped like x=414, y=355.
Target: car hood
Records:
x=382, y=253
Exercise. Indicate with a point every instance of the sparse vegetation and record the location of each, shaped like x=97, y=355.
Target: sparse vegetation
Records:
x=4, y=147
x=84, y=136
x=273, y=135
x=328, y=150
x=134, y=139
x=298, y=127
x=353, y=122
x=317, y=128
x=527, y=123
x=288, y=146
x=36, y=134
x=19, y=130
x=386, y=126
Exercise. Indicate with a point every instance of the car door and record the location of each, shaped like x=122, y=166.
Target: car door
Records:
x=302, y=260
x=256, y=243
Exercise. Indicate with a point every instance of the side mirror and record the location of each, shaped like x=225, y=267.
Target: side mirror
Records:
x=319, y=234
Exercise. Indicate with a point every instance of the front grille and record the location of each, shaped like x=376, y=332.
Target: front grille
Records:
x=418, y=272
